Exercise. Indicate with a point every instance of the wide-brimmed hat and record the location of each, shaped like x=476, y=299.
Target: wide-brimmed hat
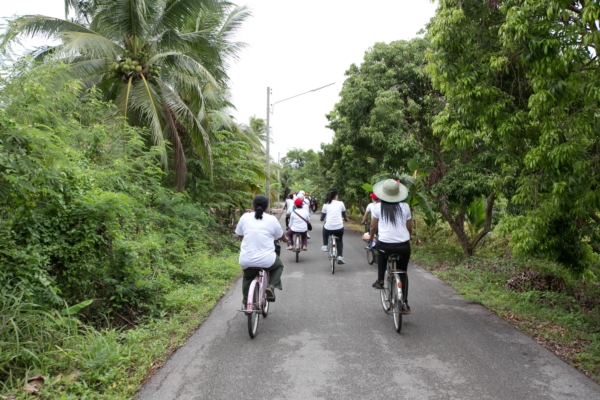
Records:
x=390, y=191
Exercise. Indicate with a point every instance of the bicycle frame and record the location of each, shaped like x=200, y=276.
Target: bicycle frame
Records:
x=391, y=269
x=261, y=279
x=332, y=246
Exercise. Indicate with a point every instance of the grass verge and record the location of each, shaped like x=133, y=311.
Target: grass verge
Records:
x=80, y=362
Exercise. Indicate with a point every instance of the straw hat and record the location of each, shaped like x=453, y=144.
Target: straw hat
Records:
x=390, y=191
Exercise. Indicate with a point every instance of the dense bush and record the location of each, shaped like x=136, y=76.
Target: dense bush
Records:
x=85, y=214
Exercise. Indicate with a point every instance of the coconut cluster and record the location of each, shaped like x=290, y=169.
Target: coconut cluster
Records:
x=134, y=66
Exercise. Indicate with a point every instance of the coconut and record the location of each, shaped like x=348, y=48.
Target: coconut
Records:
x=138, y=69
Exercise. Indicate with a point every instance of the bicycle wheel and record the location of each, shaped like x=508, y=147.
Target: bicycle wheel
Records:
x=297, y=246
x=385, y=292
x=370, y=257
x=397, y=301
x=253, y=317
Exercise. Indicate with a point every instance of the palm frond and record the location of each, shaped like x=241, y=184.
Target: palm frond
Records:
x=90, y=44
x=37, y=26
x=175, y=9
x=184, y=64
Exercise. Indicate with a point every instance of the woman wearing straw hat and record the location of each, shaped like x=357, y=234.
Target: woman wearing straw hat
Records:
x=392, y=218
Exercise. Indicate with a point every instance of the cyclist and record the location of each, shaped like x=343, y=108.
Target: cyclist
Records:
x=298, y=224
x=313, y=203
x=289, y=206
x=391, y=217
x=305, y=202
x=334, y=215
x=369, y=210
x=257, y=232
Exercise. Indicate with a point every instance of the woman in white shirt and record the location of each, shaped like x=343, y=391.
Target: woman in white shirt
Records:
x=391, y=217
x=258, y=231
x=298, y=224
x=289, y=206
x=334, y=215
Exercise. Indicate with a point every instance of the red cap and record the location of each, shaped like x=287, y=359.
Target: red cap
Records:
x=372, y=195
x=298, y=201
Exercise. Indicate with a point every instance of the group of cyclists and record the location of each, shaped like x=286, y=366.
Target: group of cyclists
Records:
x=391, y=220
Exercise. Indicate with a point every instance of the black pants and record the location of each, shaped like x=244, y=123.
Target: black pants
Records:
x=340, y=244
x=287, y=221
x=387, y=249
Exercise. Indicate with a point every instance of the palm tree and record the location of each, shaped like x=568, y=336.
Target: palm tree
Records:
x=163, y=62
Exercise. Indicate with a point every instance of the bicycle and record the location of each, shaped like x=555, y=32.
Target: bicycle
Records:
x=257, y=302
x=392, y=296
x=332, y=250
x=297, y=243
x=371, y=249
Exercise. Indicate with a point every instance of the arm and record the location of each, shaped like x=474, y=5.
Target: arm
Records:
x=374, y=227
x=364, y=220
x=323, y=215
x=344, y=216
x=409, y=227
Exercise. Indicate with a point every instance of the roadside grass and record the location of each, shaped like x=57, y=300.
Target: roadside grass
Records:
x=69, y=360
x=542, y=299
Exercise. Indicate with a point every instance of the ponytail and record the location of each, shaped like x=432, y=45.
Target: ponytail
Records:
x=260, y=204
x=331, y=195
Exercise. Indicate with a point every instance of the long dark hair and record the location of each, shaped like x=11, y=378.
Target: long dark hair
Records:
x=391, y=212
x=260, y=204
x=331, y=195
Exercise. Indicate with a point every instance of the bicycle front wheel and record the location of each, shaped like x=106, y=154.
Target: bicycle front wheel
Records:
x=253, y=316
x=265, y=310
x=370, y=257
x=397, y=301
x=385, y=293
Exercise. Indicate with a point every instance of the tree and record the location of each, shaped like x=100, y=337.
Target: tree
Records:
x=163, y=62
x=521, y=77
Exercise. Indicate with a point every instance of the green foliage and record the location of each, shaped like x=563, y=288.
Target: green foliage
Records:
x=163, y=63
x=520, y=77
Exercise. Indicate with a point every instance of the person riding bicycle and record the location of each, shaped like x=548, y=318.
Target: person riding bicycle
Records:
x=313, y=203
x=368, y=212
x=391, y=217
x=334, y=215
x=258, y=231
x=298, y=224
x=289, y=207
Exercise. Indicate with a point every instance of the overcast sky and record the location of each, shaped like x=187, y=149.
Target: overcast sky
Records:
x=294, y=49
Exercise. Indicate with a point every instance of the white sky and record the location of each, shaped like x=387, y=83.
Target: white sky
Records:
x=294, y=49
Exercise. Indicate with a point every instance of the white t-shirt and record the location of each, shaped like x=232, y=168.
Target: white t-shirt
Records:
x=334, y=219
x=296, y=223
x=289, y=204
x=389, y=233
x=370, y=207
x=258, y=250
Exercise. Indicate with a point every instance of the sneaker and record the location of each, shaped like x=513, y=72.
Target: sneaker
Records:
x=270, y=292
x=341, y=260
x=406, y=308
x=289, y=248
x=307, y=235
x=304, y=248
x=324, y=248
x=378, y=285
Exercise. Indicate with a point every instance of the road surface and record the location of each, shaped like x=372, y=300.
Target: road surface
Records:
x=327, y=337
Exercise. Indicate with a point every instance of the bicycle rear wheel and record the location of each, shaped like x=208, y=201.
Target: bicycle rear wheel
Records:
x=397, y=301
x=254, y=316
x=385, y=292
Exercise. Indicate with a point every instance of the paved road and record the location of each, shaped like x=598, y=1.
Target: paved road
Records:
x=327, y=337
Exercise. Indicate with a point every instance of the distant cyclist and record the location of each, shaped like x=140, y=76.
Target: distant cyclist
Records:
x=298, y=224
x=369, y=210
x=257, y=231
x=392, y=219
x=334, y=215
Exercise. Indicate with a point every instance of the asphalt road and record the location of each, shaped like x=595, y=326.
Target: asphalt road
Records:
x=327, y=337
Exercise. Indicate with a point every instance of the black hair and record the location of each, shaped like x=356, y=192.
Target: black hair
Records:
x=331, y=195
x=290, y=196
x=260, y=204
x=390, y=212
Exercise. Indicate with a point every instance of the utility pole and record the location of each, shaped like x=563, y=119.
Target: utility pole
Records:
x=278, y=178
x=268, y=187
